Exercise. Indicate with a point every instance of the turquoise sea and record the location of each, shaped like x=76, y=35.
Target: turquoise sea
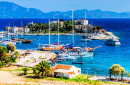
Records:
x=103, y=57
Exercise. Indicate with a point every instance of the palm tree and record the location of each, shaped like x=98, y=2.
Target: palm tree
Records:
x=43, y=69
x=17, y=54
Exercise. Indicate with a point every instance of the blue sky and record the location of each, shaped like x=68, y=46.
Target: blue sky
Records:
x=65, y=5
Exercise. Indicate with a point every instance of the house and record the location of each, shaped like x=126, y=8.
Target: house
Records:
x=69, y=71
x=20, y=30
x=81, y=22
x=60, y=22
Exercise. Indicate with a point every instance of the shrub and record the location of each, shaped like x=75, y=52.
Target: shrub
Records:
x=40, y=56
x=28, y=61
x=8, y=60
x=17, y=54
x=25, y=69
x=13, y=59
x=61, y=77
x=2, y=64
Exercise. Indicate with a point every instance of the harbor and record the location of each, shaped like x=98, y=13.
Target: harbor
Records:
x=91, y=65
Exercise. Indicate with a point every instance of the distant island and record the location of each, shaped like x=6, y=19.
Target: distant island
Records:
x=9, y=10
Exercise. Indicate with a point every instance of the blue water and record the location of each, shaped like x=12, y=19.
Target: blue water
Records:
x=103, y=57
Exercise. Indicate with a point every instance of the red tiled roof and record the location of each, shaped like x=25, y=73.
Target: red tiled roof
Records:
x=70, y=73
x=80, y=20
x=102, y=30
x=66, y=67
x=53, y=69
x=18, y=27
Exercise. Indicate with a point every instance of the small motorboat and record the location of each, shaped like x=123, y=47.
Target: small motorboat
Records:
x=112, y=41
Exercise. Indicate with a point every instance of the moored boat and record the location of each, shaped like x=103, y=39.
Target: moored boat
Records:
x=112, y=41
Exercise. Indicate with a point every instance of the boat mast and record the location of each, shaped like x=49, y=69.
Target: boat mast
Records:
x=49, y=31
x=8, y=31
x=13, y=27
x=86, y=29
x=72, y=27
x=58, y=31
x=22, y=28
x=2, y=36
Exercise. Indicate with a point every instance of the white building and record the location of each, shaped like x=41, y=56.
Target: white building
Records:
x=81, y=22
x=68, y=71
x=20, y=30
x=61, y=22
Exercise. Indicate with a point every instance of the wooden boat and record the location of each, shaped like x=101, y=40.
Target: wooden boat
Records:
x=26, y=41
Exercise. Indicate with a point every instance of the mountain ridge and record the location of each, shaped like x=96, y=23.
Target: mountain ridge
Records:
x=9, y=10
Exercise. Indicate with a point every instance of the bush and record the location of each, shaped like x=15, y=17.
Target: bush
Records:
x=25, y=69
x=13, y=59
x=61, y=77
x=2, y=64
x=8, y=60
x=34, y=70
x=40, y=56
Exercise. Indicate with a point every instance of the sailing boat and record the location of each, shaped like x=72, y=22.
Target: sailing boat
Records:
x=77, y=51
x=50, y=47
x=6, y=41
x=24, y=41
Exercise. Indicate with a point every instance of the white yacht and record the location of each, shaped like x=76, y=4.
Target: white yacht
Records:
x=112, y=41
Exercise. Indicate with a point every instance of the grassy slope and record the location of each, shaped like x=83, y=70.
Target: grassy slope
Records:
x=80, y=79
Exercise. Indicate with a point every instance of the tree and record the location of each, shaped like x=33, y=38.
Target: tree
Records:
x=11, y=47
x=17, y=54
x=116, y=70
x=99, y=28
x=127, y=74
x=43, y=69
x=3, y=53
x=25, y=69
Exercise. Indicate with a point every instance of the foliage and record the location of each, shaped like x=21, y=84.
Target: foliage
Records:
x=11, y=47
x=99, y=27
x=2, y=64
x=17, y=54
x=8, y=60
x=80, y=79
x=13, y=59
x=42, y=69
x=28, y=61
x=40, y=56
x=127, y=73
x=3, y=53
x=34, y=70
x=116, y=69
x=40, y=27
x=25, y=69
